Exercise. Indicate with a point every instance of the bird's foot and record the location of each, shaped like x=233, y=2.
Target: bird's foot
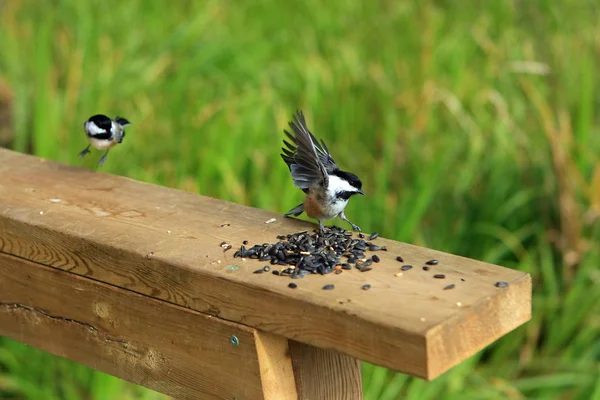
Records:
x=84, y=152
x=355, y=227
x=103, y=159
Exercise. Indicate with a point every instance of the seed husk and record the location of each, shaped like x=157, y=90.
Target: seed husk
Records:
x=373, y=235
x=439, y=276
x=450, y=286
x=259, y=271
x=501, y=284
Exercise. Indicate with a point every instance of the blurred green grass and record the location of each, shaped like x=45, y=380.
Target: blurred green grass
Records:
x=472, y=125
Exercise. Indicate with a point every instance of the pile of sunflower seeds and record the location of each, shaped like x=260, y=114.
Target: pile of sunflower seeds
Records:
x=322, y=253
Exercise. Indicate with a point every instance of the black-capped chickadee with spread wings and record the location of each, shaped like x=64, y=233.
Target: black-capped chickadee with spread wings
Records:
x=103, y=133
x=327, y=188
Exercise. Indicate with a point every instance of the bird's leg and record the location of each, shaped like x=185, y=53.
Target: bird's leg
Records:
x=85, y=151
x=321, y=227
x=101, y=162
x=343, y=217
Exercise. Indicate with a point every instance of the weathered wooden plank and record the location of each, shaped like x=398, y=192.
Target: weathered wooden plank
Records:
x=168, y=348
x=165, y=243
x=325, y=374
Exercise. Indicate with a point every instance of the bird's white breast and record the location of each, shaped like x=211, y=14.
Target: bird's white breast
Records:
x=102, y=144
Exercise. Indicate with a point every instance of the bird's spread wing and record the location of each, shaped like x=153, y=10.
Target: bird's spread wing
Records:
x=309, y=161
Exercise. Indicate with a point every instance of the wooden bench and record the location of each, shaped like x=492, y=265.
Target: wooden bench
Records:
x=130, y=279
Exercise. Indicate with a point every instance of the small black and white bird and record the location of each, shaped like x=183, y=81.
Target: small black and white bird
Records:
x=327, y=188
x=103, y=133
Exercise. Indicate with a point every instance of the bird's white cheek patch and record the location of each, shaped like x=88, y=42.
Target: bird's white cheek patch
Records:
x=93, y=129
x=339, y=185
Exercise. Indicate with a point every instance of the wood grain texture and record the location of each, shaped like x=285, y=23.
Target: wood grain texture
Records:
x=165, y=243
x=167, y=348
x=324, y=374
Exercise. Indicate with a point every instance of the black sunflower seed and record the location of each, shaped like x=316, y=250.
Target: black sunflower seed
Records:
x=375, y=258
x=439, y=276
x=399, y=258
x=259, y=271
x=451, y=286
x=373, y=235
x=292, y=285
x=406, y=267
x=365, y=286
x=432, y=262
x=329, y=287
x=501, y=284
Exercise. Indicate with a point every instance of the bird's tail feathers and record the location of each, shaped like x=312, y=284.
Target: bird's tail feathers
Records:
x=299, y=209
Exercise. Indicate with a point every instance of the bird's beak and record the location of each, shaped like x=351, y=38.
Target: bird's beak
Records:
x=361, y=192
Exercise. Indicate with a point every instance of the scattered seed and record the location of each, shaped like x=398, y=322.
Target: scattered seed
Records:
x=338, y=271
x=373, y=235
x=459, y=304
x=501, y=284
x=227, y=247
x=329, y=287
x=149, y=255
x=462, y=279
x=245, y=242
x=365, y=286
x=266, y=268
x=360, y=235
x=439, y=276
x=406, y=267
x=432, y=262
x=276, y=272
x=223, y=244
x=375, y=258
x=426, y=268
x=346, y=266
x=451, y=286
x=399, y=258
x=365, y=269
x=270, y=221
x=259, y=271
x=292, y=285
x=398, y=274
x=224, y=225
x=422, y=319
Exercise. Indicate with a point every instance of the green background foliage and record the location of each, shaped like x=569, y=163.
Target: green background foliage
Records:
x=472, y=124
